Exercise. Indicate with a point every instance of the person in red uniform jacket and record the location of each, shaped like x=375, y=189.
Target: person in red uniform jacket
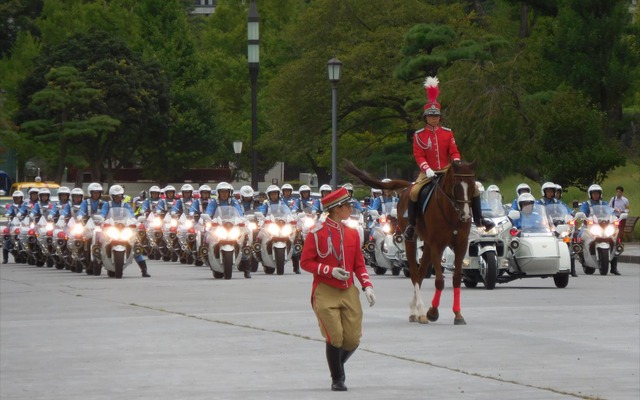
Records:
x=434, y=148
x=332, y=254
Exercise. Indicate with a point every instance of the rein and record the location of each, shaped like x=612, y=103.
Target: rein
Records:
x=453, y=201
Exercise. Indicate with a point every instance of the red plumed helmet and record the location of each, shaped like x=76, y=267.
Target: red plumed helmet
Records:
x=433, y=91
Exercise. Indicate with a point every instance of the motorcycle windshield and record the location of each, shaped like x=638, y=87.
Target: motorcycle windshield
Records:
x=355, y=214
x=390, y=208
x=557, y=212
x=279, y=211
x=491, y=203
x=601, y=212
x=120, y=215
x=533, y=219
x=226, y=213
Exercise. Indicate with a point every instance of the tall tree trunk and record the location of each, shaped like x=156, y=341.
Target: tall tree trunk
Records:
x=61, y=161
x=524, y=21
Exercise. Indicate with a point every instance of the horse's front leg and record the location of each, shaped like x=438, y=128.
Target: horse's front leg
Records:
x=417, y=309
x=457, y=280
x=436, y=259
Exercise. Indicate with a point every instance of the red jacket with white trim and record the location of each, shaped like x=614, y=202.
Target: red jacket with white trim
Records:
x=434, y=148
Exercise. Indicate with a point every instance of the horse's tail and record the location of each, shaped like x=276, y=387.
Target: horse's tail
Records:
x=369, y=180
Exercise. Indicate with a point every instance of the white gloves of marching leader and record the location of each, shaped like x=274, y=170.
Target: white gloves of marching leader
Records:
x=371, y=297
x=340, y=274
x=429, y=173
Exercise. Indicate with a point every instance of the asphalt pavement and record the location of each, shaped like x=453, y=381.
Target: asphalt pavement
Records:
x=183, y=335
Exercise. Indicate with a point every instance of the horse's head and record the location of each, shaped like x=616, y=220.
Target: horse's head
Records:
x=460, y=185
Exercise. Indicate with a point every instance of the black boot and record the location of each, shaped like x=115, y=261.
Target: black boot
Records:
x=573, y=269
x=410, y=231
x=476, y=210
x=346, y=355
x=5, y=256
x=334, y=359
x=614, y=269
x=143, y=268
x=296, y=270
x=247, y=273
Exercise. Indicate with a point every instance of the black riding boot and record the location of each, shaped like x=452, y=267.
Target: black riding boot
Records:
x=334, y=359
x=476, y=210
x=247, y=273
x=614, y=269
x=143, y=268
x=573, y=269
x=5, y=256
x=410, y=231
x=346, y=355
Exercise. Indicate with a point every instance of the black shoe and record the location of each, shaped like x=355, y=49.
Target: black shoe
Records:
x=334, y=359
x=146, y=275
x=409, y=233
x=573, y=273
x=296, y=271
x=615, y=272
x=247, y=274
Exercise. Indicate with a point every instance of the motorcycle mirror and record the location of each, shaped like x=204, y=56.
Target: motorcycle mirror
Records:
x=580, y=215
x=623, y=216
x=141, y=219
x=259, y=215
x=568, y=218
x=513, y=214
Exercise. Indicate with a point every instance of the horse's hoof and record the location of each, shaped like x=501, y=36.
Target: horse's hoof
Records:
x=433, y=315
x=413, y=318
x=459, y=321
x=423, y=319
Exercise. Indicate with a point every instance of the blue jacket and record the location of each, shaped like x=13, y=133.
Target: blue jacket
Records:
x=383, y=205
x=213, y=206
x=165, y=205
x=90, y=207
x=264, y=207
x=108, y=204
x=181, y=206
x=301, y=204
x=199, y=206
x=148, y=206
x=545, y=202
x=44, y=209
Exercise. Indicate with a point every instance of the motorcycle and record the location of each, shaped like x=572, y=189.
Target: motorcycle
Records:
x=227, y=242
x=565, y=227
x=276, y=238
x=170, y=231
x=485, y=260
x=254, y=222
x=77, y=241
x=534, y=250
x=10, y=234
x=305, y=222
x=597, y=246
x=381, y=251
x=118, y=242
x=157, y=246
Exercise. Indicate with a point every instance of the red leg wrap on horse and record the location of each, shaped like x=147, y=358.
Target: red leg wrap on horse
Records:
x=456, y=299
x=435, y=303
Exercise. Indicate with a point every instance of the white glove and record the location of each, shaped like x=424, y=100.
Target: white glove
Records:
x=371, y=297
x=429, y=173
x=340, y=274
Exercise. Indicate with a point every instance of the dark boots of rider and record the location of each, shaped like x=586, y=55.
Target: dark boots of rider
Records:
x=247, y=273
x=143, y=268
x=410, y=231
x=573, y=269
x=346, y=355
x=5, y=256
x=296, y=269
x=334, y=359
x=614, y=269
x=476, y=209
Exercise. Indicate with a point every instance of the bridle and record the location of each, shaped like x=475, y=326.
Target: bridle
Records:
x=455, y=202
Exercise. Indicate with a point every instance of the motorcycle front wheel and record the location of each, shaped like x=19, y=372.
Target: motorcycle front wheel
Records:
x=490, y=272
x=118, y=262
x=603, y=261
x=227, y=263
x=279, y=256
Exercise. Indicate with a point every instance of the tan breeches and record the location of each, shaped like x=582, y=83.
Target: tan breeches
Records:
x=339, y=314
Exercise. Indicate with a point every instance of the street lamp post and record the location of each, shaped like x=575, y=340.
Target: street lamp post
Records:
x=253, y=53
x=334, y=66
x=237, y=148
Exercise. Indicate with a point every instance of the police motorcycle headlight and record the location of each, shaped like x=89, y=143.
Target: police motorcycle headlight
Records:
x=234, y=233
x=610, y=230
x=220, y=232
x=386, y=228
x=156, y=223
x=49, y=226
x=113, y=233
x=188, y=224
x=273, y=229
x=352, y=223
x=286, y=230
x=77, y=230
x=253, y=226
x=596, y=230
x=308, y=222
x=173, y=223
x=126, y=234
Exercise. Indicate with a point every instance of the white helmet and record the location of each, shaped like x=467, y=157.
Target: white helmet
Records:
x=348, y=186
x=33, y=190
x=246, y=191
x=522, y=186
x=304, y=188
x=479, y=186
x=94, y=187
x=493, y=188
x=44, y=191
x=64, y=190
x=286, y=186
x=594, y=188
x=376, y=190
x=558, y=187
x=204, y=188
x=169, y=188
x=325, y=188
x=273, y=188
x=547, y=185
x=154, y=189
x=186, y=188
x=224, y=186
x=17, y=193
x=77, y=192
x=525, y=198
x=386, y=180
x=116, y=190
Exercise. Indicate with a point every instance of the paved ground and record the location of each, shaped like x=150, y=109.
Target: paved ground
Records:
x=183, y=335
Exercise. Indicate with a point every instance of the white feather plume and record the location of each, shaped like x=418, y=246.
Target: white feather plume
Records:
x=431, y=81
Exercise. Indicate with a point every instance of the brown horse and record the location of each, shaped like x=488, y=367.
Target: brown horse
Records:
x=446, y=221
